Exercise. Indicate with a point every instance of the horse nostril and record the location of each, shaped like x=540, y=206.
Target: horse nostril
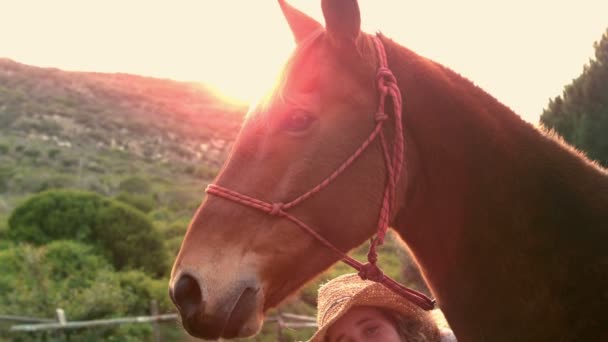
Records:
x=187, y=296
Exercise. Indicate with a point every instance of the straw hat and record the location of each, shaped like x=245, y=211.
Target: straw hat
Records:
x=347, y=291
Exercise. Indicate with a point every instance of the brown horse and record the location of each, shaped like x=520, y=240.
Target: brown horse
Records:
x=509, y=225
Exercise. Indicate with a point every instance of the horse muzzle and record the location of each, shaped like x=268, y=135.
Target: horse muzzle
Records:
x=235, y=313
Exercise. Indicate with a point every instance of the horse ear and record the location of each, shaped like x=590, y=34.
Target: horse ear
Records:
x=342, y=20
x=301, y=24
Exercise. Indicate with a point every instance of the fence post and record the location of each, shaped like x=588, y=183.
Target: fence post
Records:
x=61, y=316
x=279, y=326
x=155, y=323
x=63, y=321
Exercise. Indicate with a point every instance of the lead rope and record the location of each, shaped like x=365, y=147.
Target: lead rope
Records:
x=387, y=86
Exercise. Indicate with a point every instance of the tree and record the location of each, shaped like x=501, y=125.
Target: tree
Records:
x=122, y=234
x=580, y=114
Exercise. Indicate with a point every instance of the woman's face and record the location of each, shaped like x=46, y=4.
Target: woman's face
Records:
x=363, y=323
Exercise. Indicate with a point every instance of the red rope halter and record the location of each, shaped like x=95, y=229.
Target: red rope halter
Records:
x=387, y=86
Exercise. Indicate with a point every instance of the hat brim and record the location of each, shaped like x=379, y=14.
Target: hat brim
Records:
x=378, y=296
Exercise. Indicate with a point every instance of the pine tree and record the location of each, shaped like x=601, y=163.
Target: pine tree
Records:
x=580, y=114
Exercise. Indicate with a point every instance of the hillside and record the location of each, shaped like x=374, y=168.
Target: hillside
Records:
x=93, y=131
x=152, y=118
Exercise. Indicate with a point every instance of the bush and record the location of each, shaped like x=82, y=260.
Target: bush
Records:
x=176, y=229
x=69, y=259
x=122, y=234
x=53, y=153
x=144, y=203
x=205, y=172
x=173, y=246
x=69, y=163
x=5, y=243
x=135, y=185
x=181, y=200
x=160, y=214
x=32, y=153
x=143, y=290
x=131, y=239
x=6, y=174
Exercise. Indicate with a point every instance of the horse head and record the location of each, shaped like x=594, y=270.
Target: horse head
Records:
x=237, y=262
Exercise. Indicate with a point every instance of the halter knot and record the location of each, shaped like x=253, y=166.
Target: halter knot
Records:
x=381, y=117
x=384, y=76
x=371, y=272
x=277, y=209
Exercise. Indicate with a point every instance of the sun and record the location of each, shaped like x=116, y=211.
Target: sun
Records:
x=245, y=64
x=232, y=57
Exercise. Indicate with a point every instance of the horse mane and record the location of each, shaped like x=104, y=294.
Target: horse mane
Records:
x=483, y=105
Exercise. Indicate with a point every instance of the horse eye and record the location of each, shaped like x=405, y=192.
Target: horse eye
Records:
x=297, y=121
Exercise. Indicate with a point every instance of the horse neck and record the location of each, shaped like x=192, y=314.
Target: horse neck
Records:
x=478, y=182
x=458, y=140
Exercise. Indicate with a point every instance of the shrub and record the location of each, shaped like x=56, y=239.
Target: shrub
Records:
x=135, y=185
x=144, y=203
x=205, y=172
x=176, y=229
x=56, y=182
x=160, y=214
x=131, y=239
x=69, y=163
x=122, y=234
x=32, y=153
x=53, y=153
x=69, y=259
x=6, y=174
x=181, y=200
x=173, y=246
x=142, y=290
x=5, y=243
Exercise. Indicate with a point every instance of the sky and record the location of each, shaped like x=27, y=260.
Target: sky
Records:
x=522, y=52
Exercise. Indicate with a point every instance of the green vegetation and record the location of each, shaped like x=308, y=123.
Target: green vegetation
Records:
x=135, y=185
x=580, y=114
x=69, y=275
x=122, y=234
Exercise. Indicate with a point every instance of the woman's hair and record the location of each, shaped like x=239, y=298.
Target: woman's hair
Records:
x=413, y=330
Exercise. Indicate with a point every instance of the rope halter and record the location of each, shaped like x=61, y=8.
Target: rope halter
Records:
x=387, y=87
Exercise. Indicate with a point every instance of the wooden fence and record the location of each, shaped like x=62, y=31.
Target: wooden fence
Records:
x=33, y=324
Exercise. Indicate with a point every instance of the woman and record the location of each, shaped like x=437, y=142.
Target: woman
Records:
x=354, y=310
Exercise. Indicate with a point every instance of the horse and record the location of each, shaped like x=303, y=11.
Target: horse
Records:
x=508, y=224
